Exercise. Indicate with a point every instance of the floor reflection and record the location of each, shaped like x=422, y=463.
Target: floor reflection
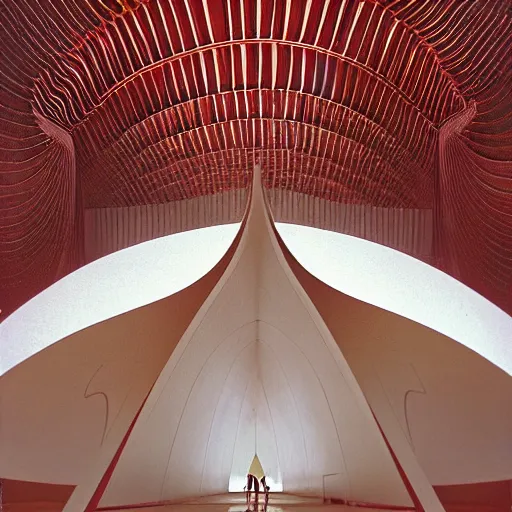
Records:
x=235, y=502
x=232, y=502
x=261, y=508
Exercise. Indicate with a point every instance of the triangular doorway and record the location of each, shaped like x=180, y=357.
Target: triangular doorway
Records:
x=256, y=468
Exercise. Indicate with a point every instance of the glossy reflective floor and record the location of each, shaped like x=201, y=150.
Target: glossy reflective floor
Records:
x=271, y=508
x=233, y=502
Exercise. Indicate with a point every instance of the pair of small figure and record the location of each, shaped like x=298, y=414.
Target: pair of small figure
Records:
x=252, y=482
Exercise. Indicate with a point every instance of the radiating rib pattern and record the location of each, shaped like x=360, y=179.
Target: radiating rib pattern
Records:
x=345, y=100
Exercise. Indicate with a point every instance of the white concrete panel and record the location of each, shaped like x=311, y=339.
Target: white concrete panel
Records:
x=69, y=405
x=248, y=437
x=227, y=423
x=446, y=406
x=382, y=276
x=286, y=420
x=321, y=423
x=309, y=445
x=110, y=286
x=187, y=455
x=267, y=447
x=471, y=441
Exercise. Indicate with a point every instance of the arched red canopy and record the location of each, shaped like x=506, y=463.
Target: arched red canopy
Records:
x=394, y=105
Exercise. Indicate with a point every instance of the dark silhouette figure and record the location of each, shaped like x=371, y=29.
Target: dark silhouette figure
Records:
x=248, y=488
x=265, y=489
x=256, y=492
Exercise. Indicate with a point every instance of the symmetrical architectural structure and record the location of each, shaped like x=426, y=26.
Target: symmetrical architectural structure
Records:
x=122, y=121
x=149, y=401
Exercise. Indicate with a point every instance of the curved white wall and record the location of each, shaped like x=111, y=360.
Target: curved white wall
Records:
x=61, y=408
x=110, y=286
x=448, y=403
x=403, y=285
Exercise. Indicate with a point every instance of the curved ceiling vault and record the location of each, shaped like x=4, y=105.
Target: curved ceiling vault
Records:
x=394, y=104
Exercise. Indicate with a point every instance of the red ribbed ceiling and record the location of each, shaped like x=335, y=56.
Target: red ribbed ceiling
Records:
x=396, y=104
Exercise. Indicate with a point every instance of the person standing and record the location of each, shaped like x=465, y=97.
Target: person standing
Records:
x=265, y=489
x=256, y=492
x=248, y=488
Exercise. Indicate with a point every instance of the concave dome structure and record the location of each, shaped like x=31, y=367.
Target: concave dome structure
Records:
x=387, y=119
x=125, y=120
